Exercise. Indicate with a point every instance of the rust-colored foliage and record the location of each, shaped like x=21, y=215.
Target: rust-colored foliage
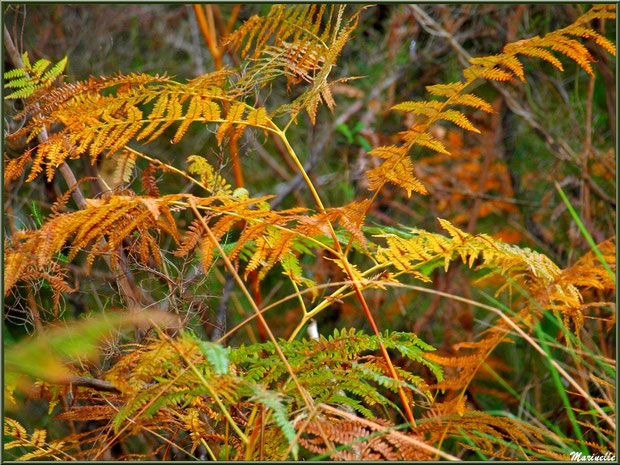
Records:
x=387, y=395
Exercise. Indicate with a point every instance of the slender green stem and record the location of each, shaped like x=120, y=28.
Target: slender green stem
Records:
x=348, y=270
x=585, y=232
x=301, y=299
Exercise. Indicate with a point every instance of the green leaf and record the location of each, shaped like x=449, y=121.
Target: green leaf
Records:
x=17, y=72
x=40, y=66
x=18, y=83
x=45, y=355
x=273, y=401
x=22, y=93
x=291, y=265
x=56, y=70
x=345, y=131
x=363, y=143
x=26, y=60
x=358, y=127
x=216, y=355
x=585, y=232
x=36, y=214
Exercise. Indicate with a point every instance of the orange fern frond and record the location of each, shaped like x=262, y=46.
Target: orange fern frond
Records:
x=501, y=67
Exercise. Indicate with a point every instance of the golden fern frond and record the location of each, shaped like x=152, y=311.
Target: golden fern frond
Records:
x=228, y=128
x=124, y=167
x=558, y=41
x=589, y=273
x=190, y=239
x=219, y=229
x=96, y=124
x=114, y=219
x=396, y=169
x=501, y=67
x=271, y=235
x=213, y=181
x=300, y=42
x=350, y=217
x=16, y=264
x=321, y=88
x=289, y=40
x=520, y=265
x=281, y=23
x=42, y=448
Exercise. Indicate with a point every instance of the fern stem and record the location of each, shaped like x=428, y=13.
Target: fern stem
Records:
x=248, y=296
x=301, y=300
x=206, y=384
x=304, y=174
x=356, y=287
x=206, y=446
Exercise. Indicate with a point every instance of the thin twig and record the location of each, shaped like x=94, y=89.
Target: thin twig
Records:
x=396, y=434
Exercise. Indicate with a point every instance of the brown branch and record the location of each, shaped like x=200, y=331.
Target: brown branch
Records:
x=70, y=179
x=93, y=383
x=66, y=172
x=559, y=148
x=208, y=36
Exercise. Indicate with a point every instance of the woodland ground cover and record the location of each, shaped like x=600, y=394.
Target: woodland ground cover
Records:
x=268, y=232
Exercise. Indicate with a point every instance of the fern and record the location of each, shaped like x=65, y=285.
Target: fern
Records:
x=397, y=167
x=342, y=395
x=32, y=78
x=272, y=401
x=528, y=268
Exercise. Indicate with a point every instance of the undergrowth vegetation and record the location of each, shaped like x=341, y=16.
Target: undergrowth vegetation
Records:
x=184, y=305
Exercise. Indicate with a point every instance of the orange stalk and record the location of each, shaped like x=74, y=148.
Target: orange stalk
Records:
x=207, y=28
x=209, y=36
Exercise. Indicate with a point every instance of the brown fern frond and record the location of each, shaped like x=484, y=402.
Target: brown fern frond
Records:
x=480, y=430
x=149, y=184
x=88, y=413
x=112, y=219
x=290, y=41
x=359, y=441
